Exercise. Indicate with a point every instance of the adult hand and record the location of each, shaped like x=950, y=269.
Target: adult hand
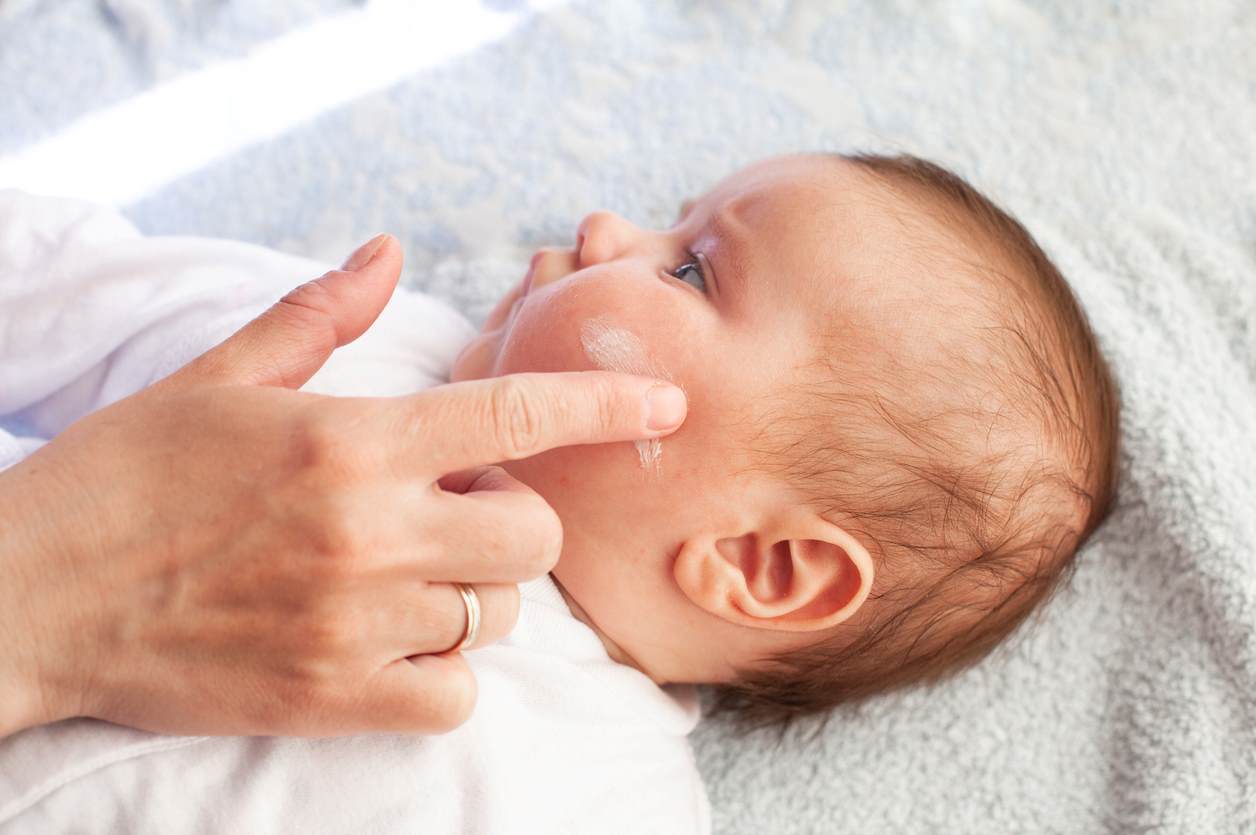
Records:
x=223, y=554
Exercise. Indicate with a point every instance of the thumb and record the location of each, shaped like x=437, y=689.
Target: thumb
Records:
x=288, y=343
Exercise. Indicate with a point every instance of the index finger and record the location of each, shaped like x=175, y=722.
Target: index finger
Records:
x=464, y=425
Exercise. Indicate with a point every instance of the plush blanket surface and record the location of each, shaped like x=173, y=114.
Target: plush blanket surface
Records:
x=1120, y=132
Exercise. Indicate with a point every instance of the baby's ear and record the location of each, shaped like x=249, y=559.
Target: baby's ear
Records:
x=799, y=577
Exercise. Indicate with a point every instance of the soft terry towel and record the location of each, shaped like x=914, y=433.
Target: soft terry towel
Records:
x=1120, y=132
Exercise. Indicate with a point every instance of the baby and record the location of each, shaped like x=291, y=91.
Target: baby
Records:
x=900, y=430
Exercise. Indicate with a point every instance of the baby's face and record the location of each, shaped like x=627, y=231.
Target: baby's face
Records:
x=729, y=303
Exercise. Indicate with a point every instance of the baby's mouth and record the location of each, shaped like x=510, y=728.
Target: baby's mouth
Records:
x=508, y=305
x=525, y=286
x=527, y=278
x=514, y=308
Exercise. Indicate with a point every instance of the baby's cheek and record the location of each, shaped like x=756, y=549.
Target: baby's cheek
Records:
x=552, y=329
x=476, y=360
x=630, y=327
x=543, y=336
x=596, y=490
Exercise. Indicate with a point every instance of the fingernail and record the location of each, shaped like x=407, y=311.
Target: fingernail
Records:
x=363, y=254
x=666, y=407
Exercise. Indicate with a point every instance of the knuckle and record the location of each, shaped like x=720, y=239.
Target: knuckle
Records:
x=328, y=568
x=328, y=635
x=309, y=308
x=333, y=533
x=536, y=562
x=310, y=302
x=495, y=541
x=515, y=419
x=343, y=541
x=321, y=442
x=605, y=414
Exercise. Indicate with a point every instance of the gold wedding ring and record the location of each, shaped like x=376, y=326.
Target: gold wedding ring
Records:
x=471, y=601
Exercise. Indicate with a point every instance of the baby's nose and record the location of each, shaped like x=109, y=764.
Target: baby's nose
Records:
x=603, y=236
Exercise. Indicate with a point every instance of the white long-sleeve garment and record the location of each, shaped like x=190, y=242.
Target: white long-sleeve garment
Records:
x=563, y=739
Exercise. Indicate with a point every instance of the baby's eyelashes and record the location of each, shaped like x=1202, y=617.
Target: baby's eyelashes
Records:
x=692, y=272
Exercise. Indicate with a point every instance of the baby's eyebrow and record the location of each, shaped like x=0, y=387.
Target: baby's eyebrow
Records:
x=731, y=265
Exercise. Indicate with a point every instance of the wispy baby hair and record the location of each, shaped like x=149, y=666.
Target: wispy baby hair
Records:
x=972, y=481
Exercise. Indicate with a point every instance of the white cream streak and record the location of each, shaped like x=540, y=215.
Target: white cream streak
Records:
x=615, y=349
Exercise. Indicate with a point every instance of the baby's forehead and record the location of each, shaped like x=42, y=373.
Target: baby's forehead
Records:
x=823, y=211
x=781, y=184
x=818, y=233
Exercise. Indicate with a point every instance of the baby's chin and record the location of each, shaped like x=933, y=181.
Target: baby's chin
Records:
x=477, y=360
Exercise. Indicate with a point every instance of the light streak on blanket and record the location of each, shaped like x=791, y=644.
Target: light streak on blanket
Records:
x=122, y=153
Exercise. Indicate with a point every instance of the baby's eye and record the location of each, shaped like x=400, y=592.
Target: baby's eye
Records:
x=692, y=273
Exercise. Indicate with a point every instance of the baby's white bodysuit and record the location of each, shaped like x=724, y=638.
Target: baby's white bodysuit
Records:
x=563, y=739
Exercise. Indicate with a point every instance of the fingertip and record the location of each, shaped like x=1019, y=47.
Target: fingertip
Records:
x=666, y=407
x=519, y=415
x=389, y=248
x=383, y=269
x=358, y=292
x=367, y=252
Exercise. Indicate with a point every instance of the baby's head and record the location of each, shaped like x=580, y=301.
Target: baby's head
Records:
x=900, y=429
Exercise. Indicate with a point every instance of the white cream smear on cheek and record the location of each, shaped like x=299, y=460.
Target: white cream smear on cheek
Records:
x=615, y=349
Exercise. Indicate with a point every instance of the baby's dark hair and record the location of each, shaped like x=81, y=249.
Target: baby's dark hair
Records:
x=972, y=482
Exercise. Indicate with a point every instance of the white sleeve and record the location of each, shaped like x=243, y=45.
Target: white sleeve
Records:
x=91, y=311
x=15, y=446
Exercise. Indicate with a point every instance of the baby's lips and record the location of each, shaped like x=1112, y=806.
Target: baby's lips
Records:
x=527, y=278
x=502, y=311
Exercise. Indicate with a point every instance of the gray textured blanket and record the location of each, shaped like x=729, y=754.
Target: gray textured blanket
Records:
x=1121, y=132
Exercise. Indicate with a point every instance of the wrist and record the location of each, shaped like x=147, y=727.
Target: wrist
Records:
x=33, y=692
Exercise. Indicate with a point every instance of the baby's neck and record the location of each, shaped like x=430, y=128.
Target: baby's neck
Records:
x=614, y=650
